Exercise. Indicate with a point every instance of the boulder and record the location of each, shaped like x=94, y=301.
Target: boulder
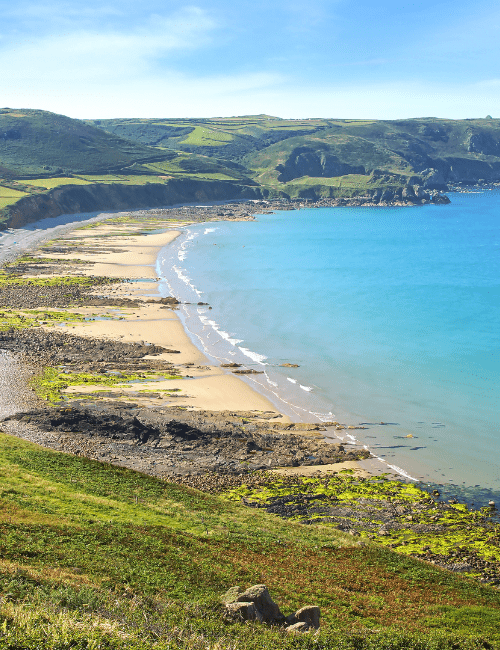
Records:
x=309, y=615
x=231, y=595
x=261, y=598
x=243, y=612
x=298, y=628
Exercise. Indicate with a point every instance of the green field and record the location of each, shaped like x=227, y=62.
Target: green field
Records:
x=9, y=196
x=50, y=183
x=203, y=137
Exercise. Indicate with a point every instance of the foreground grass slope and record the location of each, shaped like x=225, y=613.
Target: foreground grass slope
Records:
x=96, y=556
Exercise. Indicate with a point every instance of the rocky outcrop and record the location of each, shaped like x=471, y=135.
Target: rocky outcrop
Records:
x=470, y=171
x=305, y=161
x=256, y=604
x=171, y=442
x=484, y=143
x=72, y=199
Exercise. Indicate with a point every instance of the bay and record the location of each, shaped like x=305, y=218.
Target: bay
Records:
x=391, y=313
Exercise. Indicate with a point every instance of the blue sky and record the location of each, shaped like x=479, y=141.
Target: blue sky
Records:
x=314, y=58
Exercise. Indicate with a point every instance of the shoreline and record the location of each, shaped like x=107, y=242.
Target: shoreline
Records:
x=403, y=471
x=208, y=388
x=106, y=247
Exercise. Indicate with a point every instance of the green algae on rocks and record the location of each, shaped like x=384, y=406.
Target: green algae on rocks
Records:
x=400, y=515
x=16, y=320
x=52, y=382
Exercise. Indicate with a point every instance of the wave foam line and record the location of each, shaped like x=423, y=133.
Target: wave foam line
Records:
x=187, y=280
x=258, y=358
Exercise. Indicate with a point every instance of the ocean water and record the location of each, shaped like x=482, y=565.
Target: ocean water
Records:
x=392, y=314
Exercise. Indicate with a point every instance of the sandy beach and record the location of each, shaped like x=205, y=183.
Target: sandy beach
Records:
x=123, y=310
x=134, y=257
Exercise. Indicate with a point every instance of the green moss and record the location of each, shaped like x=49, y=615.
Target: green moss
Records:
x=8, y=280
x=52, y=382
x=18, y=320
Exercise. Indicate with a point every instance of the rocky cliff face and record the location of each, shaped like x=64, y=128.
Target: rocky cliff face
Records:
x=71, y=199
x=305, y=161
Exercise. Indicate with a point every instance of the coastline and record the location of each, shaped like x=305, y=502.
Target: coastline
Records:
x=133, y=314
x=386, y=441
x=133, y=405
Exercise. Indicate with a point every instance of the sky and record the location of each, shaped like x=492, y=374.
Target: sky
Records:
x=289, y=58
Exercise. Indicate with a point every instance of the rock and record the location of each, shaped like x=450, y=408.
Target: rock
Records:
x=231, y=595
x=230, y=365
x=243, y=612
x=420, y=193
x=289, y=365
x=408, y=193
x=249, y=371
x=309, y=615
x=440, y=199
x=261, y=598
x=298, y=628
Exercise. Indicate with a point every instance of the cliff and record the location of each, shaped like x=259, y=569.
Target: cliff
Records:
x=71, y=199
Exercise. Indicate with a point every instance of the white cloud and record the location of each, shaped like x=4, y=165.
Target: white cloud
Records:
x=90, y=55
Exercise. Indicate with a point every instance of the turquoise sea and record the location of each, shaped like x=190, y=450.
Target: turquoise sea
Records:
x=392, y=314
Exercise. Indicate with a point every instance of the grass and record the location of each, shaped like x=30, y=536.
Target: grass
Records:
x=97, y=556
x=202, y=136
x=9, y=196
x=49, y=183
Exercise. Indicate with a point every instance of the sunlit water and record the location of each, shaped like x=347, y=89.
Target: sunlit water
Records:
x=391, y=313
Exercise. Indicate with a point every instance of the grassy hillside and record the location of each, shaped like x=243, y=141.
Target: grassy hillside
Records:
x=38, y=142
x=310, y=158
x=433, y=151
x=96, y=556
x=41, y=151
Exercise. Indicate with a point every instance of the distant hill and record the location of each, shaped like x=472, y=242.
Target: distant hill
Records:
x=38, y=142
x=277, y=151
x=256, y=156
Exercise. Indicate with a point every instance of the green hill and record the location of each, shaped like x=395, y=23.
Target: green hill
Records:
x=256, y=156
x=41, y=152
x=436, y=151
x=37, y=142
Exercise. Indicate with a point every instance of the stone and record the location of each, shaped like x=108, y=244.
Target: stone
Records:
x=243, y=612
x=298, y=628
x=309, y=615
x=408, y=193
x=261, y=598
x=231, y=595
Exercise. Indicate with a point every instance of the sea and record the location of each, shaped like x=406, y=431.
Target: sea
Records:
x=391, y=314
